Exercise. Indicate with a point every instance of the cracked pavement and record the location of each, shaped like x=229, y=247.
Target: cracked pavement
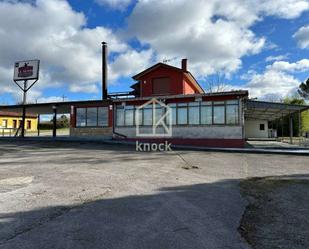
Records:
x=82, y=195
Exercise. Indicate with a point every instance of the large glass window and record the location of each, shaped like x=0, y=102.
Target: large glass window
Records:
x=129, y=116
x=194, y=113
x=80, y=117
x=232, y=116
x=103, y=116
x=173, y=113
x=120, y=116
x=92, y=116
x=219, y=112
x=147, y=112
x=182, y=114
x=159, y=113
x=206, y=113
x=139, y=116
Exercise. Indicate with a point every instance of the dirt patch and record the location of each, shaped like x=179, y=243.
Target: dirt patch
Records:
x=277, y=215
x=10, y=184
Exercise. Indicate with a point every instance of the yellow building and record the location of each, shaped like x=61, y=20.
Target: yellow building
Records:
x=11, y=121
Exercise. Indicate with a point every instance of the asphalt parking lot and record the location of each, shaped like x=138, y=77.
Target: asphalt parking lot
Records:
x=73, y=195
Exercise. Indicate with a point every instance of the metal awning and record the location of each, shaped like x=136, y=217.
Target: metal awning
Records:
x=48, y=108
x=262, y=110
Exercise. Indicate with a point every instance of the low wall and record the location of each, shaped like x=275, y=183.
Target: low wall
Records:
x=199, y=132
x=219, y=143
x=208, y=136
x=106, y=132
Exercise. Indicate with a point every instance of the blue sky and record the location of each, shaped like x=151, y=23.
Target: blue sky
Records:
x=262, y=46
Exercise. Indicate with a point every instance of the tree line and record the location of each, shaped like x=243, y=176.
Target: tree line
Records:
x=299, y=98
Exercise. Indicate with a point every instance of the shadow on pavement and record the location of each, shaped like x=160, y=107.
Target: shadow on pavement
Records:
x=196, y=216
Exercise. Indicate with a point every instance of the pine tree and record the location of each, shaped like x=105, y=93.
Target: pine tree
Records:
x=304, y=89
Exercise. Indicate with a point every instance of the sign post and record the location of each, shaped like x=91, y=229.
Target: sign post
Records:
x=24, y=71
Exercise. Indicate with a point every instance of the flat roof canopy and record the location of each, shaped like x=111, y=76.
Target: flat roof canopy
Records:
x=65, y=107
x=258, y=110
x=262, y=110
x=47, y=108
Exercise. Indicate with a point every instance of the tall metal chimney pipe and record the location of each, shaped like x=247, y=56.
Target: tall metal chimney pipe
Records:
x=104, y=70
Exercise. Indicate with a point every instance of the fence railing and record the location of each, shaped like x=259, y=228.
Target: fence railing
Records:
x=304, y=142
x=300, y=141
x=8, y=132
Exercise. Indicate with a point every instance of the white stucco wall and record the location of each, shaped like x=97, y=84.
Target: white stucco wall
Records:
x=252, y=129
x=219, y=132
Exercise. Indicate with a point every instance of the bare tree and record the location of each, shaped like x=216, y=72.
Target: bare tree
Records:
x=215, y=83
x=271, y=97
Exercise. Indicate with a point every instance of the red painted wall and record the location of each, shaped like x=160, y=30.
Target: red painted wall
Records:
x=219, y=143
x=188, y=88
x=73, y=116
x=176, y=81
x=184, y=99
x=110, y=115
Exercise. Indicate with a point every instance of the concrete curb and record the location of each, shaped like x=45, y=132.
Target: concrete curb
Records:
x=300, y=152
x=273, y=150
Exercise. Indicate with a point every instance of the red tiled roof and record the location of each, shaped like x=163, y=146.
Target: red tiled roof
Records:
x=160, y=64
x=240, y=93
x=16, y=114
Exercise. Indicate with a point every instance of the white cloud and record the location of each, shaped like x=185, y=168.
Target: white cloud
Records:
x=213, y=34
x=209, y=45
x=271, y=82
x=276, y=58
x=288, y=9
x=115, y=4
x=49, y=99
x=130, y=63
x=300, y=66
x=53, y=32
x=302, y=37
x=276, y=80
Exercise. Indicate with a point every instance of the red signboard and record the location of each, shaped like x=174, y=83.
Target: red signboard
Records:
x=25, y=71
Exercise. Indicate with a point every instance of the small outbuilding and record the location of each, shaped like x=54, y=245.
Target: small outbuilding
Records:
x=11, y=121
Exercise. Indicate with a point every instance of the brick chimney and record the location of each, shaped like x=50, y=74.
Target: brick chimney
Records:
x=184, y=65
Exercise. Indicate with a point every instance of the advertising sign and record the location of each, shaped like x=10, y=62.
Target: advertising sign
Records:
x=26, y=70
